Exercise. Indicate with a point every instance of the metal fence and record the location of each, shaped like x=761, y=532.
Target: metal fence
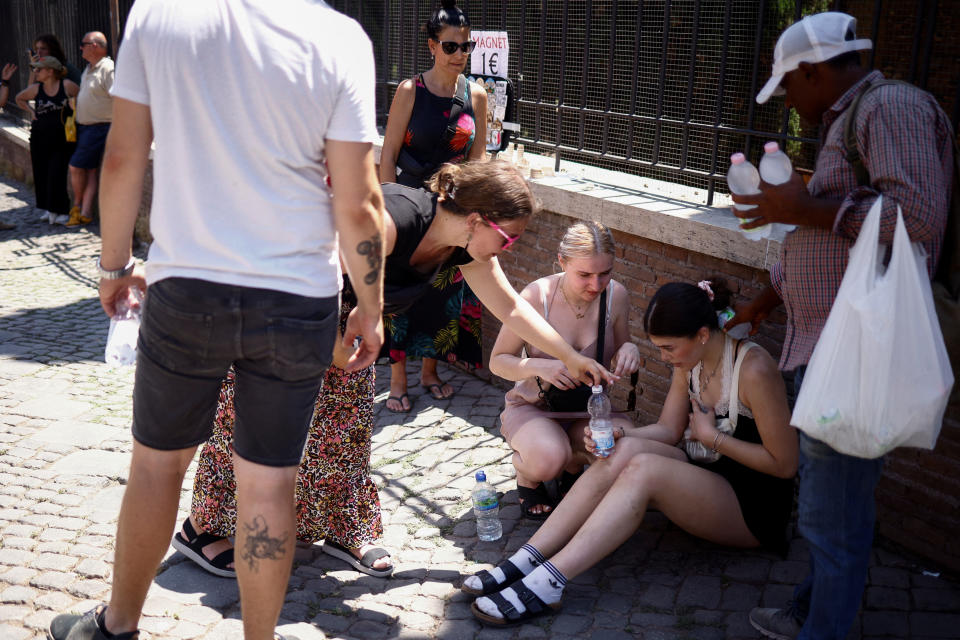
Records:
x=662, y=88
x=23, y=20
x=657, y=88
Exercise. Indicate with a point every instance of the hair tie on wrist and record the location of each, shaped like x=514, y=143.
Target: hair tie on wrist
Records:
x=705, y=285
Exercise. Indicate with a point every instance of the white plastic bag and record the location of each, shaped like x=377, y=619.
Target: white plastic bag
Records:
x=879, y=377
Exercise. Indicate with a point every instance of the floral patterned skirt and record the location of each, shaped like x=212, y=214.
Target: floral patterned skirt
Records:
x=335, y=497
x=444, y=324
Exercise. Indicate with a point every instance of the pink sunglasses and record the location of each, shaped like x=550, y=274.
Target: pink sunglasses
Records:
x=508, y=240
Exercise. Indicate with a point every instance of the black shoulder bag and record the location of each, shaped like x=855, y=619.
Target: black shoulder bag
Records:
x=575, y=400
x=413, y=173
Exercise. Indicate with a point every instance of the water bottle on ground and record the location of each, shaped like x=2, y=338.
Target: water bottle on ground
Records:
x=601, y=427
x=737, y=332
x=486, y=509
x=124, y=328
x=776, y=168
x=744, y=180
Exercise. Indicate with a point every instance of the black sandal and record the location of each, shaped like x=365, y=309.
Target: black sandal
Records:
x=530, y=498
x=490, y=584
x=399, y=400
x=192, y=546
x=534, y=608
x=364, y=563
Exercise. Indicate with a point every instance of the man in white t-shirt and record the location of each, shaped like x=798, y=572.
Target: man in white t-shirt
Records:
x=260, y=112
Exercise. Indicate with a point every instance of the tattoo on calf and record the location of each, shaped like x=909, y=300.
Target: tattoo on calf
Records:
x=258, y=545
x=373, y=249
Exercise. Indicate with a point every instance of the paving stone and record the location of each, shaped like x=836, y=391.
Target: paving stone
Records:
x=700, y=591
x=365, y=629
x=885, y=623
x=889, y=577
x=936, y=599
x=570, y=624
x=57, y=580
x=934, y=625
x=18, y=595
x=95, y=463
x=887, y=598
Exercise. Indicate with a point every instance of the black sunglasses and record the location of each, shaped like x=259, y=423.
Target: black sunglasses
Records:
x=450, y=47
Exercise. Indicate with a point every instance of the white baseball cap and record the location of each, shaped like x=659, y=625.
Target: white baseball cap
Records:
x=814, y=39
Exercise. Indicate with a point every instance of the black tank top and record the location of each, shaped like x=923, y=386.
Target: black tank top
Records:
x=412, y=211
x=50, y=111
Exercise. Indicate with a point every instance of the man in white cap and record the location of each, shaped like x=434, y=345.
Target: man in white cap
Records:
x=904, y=140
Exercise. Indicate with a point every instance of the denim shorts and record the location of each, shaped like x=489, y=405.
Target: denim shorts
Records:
x=91, y=139
x=192, y=331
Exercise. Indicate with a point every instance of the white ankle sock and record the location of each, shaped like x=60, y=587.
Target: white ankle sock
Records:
x=526, y=559
x=545, y=581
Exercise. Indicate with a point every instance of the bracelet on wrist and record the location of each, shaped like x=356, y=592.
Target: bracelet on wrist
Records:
x=115, y=274
x=717, y=441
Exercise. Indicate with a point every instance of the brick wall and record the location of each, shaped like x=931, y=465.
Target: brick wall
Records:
x=919, y=495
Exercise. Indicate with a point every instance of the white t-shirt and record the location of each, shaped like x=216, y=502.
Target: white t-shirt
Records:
x=242, y=95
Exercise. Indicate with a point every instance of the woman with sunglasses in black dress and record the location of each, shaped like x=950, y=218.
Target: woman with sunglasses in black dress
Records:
x=416, y=144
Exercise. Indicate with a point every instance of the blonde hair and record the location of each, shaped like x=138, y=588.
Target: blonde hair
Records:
x=493, y=189
x=586, y=239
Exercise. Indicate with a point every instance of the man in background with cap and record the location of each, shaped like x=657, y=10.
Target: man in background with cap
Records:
x=905, y=141
x=94, y=114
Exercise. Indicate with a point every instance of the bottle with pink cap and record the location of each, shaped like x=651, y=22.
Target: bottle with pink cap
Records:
x=743, y=179
x=776, y=168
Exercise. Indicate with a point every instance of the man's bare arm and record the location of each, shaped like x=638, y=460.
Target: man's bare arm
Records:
x=358, y=215
x=121, y=189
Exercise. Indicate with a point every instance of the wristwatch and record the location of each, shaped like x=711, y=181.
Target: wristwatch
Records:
x=115, y=274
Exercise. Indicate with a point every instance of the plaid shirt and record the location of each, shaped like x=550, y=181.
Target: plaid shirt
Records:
x=906, y=143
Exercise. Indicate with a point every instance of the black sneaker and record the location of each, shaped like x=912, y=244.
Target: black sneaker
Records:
x=72, y=626
x=775, y=623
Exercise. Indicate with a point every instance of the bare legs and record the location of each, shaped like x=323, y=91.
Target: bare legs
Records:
x=698, y=501
x=147, y=516
x=84, y=183
x=266, y=541
x=428, y=377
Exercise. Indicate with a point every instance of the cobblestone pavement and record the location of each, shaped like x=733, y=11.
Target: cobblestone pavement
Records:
x=64, y=454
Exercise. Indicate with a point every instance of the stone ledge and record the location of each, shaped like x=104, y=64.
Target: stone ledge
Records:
x=652, y=209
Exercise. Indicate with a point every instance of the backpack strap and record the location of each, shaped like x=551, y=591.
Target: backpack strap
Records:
x=850, y=147
x=734, y=409
x=456, y=108
x=601, y=326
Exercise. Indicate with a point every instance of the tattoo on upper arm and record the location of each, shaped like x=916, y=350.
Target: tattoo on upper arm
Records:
x=258, y=545
x=373, y=249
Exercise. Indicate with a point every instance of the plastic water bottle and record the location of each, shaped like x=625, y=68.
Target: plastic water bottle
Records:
x=601, y=426
x=737, y=332
x=776, y=168
x=124, y=328
x=486, y=509
x=744, y=180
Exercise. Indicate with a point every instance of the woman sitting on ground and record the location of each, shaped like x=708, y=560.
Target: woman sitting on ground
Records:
x=744, y=499
x=545, y=412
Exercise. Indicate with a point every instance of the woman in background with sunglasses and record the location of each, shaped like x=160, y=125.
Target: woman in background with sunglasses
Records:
x=416, y=144
x=472, y=212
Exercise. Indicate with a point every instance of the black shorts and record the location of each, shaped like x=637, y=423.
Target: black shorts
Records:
x=192, y=331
